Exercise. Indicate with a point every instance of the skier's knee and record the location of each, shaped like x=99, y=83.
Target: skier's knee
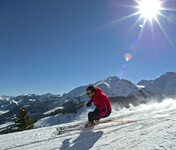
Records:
x=90, y=114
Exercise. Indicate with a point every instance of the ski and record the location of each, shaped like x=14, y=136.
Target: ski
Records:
x=62, y=130
x=77, y=127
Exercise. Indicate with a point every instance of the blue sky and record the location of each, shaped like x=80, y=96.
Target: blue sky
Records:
x=55, y=46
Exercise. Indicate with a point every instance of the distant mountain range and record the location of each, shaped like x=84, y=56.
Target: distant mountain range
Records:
x=118, y=90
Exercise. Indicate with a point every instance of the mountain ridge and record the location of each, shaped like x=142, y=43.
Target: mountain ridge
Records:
x=118, y=90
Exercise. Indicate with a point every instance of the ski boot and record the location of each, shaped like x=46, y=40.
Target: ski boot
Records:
x=90, y=124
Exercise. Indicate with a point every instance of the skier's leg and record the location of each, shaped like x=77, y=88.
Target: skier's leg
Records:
x=93, y=116
x=96, y=112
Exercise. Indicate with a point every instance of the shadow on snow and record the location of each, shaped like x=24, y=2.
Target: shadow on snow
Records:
x=86, y=140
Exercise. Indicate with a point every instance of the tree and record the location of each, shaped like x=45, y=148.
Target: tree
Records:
x=23, y=121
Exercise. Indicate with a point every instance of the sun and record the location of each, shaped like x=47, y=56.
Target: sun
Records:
x=149, y=9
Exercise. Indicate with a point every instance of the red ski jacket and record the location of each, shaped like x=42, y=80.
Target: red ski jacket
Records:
x=101, y=102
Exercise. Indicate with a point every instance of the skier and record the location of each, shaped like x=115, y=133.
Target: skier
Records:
x=102, y=103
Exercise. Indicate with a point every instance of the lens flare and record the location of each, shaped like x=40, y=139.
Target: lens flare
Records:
x=127, y=56
x=141, y=26
x=124, y=66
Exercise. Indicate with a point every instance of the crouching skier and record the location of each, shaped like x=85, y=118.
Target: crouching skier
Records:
x=102, y=103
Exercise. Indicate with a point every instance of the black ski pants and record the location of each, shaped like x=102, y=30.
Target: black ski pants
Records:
x=93, y=115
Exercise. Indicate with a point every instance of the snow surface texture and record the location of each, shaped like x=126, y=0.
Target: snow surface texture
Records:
x=155, y=129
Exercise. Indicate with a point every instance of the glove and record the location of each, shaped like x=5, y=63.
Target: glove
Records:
x=89, y=104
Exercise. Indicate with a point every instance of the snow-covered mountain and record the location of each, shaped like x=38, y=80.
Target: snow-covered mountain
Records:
x=3, y=97
x=160, y=88
x=111, y=86
x=35, y=104
x=43, y=107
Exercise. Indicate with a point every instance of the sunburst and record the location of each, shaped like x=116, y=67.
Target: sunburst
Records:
x=147, y=10
x=150, y=10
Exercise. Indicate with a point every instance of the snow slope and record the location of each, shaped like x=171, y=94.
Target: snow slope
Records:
x=155, y=129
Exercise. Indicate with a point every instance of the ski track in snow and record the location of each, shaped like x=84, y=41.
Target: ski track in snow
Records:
x=154, y=130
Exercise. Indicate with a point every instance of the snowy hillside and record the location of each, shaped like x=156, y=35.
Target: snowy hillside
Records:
x=49, y=109
x=154, y=129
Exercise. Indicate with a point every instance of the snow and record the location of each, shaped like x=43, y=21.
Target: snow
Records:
x=140, y=86
x=7, y=98
x=62, y=118
x=5, y=125
x=13, y=101
x=113, y=86
x=53, y=110
x=3, y=112
x=155, y=129
x=32, y=100
x=20, y=100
